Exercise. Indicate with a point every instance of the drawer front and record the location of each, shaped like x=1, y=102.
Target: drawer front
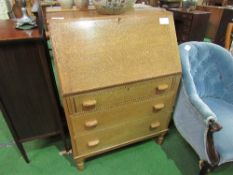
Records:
x=112, y=97
x=182, y=16
x=187, y=23
x=185, y=30
x=187, y=16
x=86, y=123
x=125, y=133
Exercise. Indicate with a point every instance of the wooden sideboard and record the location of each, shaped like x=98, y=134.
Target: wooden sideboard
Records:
x=217, y=2
x=119, y=76
x=190, y=26
x=170, y=3
x=28, y=97
x=219, y=19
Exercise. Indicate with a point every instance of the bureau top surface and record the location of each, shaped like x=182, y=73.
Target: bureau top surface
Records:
x=8, y=32
x=95, y=51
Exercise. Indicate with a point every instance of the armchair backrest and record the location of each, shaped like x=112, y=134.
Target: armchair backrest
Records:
x=207, y=70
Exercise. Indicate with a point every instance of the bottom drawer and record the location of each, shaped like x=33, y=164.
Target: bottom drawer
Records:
x=109, y=138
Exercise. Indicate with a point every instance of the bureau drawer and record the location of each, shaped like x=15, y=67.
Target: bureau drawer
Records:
x=125, y=133
x=86, y=123
x=112, y=97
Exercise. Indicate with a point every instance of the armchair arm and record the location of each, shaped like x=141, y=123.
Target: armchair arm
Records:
x=210, y=120
x=214, y=157
x=200, y=106
x=208, y=116
x=212, y=126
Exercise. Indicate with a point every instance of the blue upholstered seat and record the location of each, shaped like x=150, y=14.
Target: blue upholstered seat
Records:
x=206, y=95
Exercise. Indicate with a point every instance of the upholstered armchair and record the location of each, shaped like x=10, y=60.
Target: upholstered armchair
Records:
x=204, y=110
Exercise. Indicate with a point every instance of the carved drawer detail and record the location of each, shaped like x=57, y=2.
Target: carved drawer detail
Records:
x=115, y=96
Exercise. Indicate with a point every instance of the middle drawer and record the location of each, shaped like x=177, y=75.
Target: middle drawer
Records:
x=85, y=123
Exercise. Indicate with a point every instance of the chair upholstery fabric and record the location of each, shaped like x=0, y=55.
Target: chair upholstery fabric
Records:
x=206, y=93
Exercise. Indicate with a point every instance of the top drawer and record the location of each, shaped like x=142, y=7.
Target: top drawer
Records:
x=111, y=97
x=182, y=16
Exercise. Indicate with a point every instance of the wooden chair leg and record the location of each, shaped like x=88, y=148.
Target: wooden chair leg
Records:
x=205, y=167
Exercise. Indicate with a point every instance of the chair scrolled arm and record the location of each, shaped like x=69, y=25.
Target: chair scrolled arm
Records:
x=214, y=126
x=201, y=107
x=214, y=157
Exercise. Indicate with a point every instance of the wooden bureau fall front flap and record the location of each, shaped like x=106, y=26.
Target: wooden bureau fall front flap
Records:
x=118, y=76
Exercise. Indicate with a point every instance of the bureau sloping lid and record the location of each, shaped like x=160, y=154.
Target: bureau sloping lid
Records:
x=101, y=51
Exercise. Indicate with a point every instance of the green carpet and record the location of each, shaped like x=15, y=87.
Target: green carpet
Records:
x=174, y=157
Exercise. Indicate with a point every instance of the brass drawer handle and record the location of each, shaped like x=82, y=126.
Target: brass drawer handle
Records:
x=89, y=103
x=91, y=123
x=159, y=106
x=155, y=125
x=93, y=143
x=162, y=87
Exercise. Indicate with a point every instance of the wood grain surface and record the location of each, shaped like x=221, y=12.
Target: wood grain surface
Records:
x=119, y=76
x=103, y=51
x=9, y=33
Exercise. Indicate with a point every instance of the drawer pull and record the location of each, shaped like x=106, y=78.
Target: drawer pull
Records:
x=162, y=87
x=89, y=103
x=159, y=106
x=93, y=143
x=155, y=125
x=91, y=123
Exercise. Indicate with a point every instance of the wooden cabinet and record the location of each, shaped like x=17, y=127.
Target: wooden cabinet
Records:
x=118, y=74
x=219, y=19
x=153, y=3
x=169, y=3
x=190, y=26
x=218, y=2
x=27, y=93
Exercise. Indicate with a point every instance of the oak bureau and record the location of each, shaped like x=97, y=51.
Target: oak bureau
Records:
x=118, y=75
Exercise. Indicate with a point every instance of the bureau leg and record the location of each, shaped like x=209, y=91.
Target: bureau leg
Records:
x=80, y=164
x=22, y=151
x=160, y=139
x=13, y=132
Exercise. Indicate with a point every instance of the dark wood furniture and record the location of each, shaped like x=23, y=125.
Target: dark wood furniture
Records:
x=190, y=26
x=170, y=3
x=217, y=2
x=219, y=19
x=27, y=92
x=153, y=3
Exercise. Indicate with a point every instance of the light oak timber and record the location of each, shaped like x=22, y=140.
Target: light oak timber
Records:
x=228, y=37
x=82, y=157
x=118, y=77
x=122, y=114
x=118, y=134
